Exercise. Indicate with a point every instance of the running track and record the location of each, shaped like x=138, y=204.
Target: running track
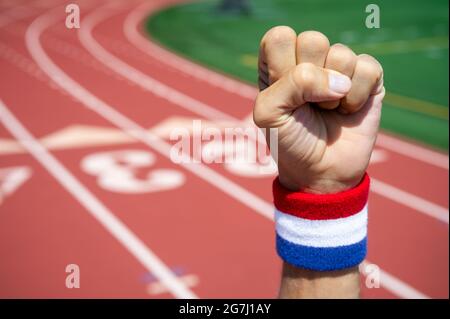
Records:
x=81, y=109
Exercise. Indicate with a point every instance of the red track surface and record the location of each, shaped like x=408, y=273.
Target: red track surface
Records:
x=203, y=232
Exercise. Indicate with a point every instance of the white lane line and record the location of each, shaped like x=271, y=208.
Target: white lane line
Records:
x=410, y=150
x=130, y=29
x=154, y=86
x=133, y=129
x=394, y=285
x=414, y=202
x=146, y=82
x=96, y=208
x=135, y=37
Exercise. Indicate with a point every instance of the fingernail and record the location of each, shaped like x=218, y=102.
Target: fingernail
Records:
x=339, y=83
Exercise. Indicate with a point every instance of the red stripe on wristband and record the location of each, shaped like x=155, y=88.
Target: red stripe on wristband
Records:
x=321, y=206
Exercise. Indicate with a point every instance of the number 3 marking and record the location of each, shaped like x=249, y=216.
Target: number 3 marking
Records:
x=117, y=172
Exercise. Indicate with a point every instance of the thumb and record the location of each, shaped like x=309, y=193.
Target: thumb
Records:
x=304, y=83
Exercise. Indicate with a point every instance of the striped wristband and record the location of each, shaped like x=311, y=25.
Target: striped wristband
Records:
x=322, y=232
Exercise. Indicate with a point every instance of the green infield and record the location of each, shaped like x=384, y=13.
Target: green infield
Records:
x=411, y=44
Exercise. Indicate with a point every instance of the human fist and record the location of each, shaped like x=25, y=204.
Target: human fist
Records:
x=325, y=102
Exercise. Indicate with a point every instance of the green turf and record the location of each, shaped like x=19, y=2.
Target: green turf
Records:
x=412, y=45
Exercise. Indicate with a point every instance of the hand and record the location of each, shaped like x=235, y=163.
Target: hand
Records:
x=325, y=102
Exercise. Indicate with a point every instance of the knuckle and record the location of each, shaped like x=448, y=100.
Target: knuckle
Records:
x=341, y=52
x=369, y=67
x=339, y=45
x=279, y=35
x=316, y=39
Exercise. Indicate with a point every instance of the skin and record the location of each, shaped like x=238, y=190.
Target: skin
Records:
x=325, y=102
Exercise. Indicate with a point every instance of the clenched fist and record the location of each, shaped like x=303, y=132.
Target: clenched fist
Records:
x=326, y=103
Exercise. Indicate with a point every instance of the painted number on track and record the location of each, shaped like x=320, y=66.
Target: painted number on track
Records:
x=117, y=171
x=11, y=178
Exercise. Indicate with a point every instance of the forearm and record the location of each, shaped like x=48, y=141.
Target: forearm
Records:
x=302, y=283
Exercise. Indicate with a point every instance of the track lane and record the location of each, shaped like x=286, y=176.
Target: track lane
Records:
x=49, y=116
x=44, y=229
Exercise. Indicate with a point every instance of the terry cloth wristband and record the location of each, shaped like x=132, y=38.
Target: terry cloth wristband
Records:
x=322, y=232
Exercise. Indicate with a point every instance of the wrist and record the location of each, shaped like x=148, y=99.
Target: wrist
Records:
x=319, y=185
x=304, y=283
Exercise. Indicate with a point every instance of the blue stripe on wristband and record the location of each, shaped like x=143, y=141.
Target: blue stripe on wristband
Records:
x=321, y=258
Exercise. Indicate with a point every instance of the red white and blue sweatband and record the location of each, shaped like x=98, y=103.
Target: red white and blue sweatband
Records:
x=322, y=232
